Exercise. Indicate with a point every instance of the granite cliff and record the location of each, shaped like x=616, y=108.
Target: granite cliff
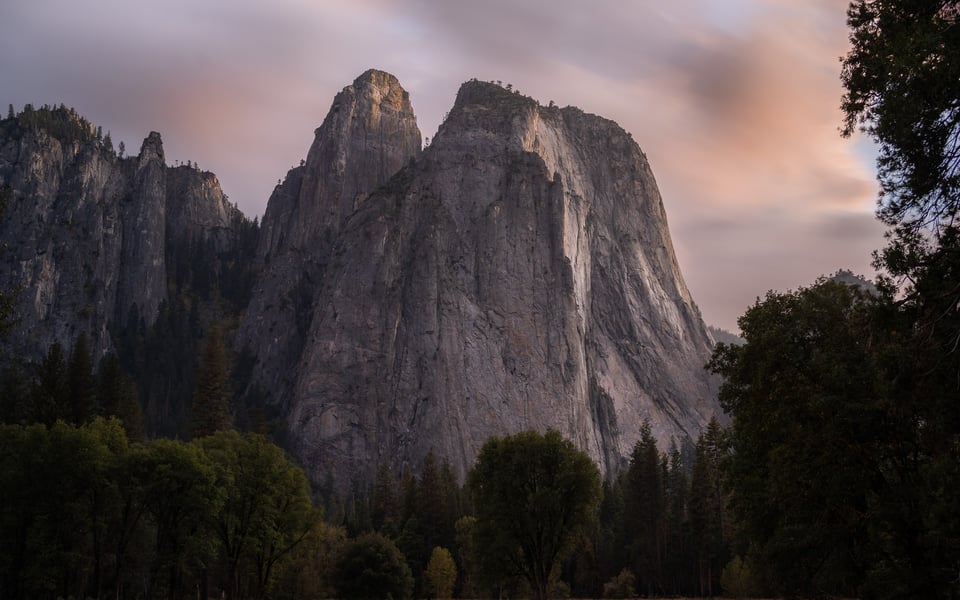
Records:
x=518, y=273
x=89, y=237
x=369, y=133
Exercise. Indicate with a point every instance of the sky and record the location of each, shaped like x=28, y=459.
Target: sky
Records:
x=734, y=102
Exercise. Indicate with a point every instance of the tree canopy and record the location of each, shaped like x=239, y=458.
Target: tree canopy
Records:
x=902, y=80
x=371, y=567
x=532, y=493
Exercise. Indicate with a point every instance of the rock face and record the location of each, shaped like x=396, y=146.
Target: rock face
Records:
x=518, y=274
x=85, y=230
x=368, y=135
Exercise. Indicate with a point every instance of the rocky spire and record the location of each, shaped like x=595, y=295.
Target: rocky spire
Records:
x=143, y=280
x=369, y=133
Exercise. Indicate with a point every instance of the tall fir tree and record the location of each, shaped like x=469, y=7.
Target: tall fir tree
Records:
x=49, y=394
x=707, y=506
x=80, y=383
x=643, y=506
x=211, y=397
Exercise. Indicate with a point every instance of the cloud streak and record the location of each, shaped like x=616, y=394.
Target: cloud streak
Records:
x=734, y=101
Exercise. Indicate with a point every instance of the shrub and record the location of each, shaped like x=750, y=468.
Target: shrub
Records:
x=620, y=586
x=738, y=580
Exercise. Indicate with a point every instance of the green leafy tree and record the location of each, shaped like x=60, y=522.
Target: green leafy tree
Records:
x=56, y=492
x=371, y=567
x=211, y=397
x=266, y=512
x=441, y=573
x=468, y=554
x=532, y=494
x=308, y=572
x=177, y=485
x=813, y=445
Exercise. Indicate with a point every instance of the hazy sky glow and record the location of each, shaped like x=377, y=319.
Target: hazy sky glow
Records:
x=735, y=102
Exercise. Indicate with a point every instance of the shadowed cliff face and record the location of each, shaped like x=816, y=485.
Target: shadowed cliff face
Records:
x=85, y=229
x=518, y=274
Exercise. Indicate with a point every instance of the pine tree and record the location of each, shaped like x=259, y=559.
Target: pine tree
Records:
x=707, y=506
x=643, y=505
x=211, y=397
x=80, y=383
x=675, y=493
x=429, y=500
x=384, y=509
x=49, y=397
x=109, y=387
x=131, y=415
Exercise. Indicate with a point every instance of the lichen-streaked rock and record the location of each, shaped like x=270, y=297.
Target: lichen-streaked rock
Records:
x=518, y=274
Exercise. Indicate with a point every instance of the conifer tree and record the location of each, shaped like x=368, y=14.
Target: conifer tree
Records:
x=384, y=509
x=49, y=397
x=80, y=383
x=211, y=397
x=643, y=505
x=131, y=415
x=109, y=386
x=707, y=508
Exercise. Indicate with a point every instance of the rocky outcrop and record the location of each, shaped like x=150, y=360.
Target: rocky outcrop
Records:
x=518, y=274
x=369, y=133
x=198, y=210
x=141, y=268
x=85, y=230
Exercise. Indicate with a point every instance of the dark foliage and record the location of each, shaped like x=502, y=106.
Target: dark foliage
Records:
x=370, y=568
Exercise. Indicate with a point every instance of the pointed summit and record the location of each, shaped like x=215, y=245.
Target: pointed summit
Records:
x=369, y=133
x=151, y=149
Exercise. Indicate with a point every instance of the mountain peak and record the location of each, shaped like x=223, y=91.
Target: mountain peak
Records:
x=491, y=95
x=376, y=77
x=152, y=148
